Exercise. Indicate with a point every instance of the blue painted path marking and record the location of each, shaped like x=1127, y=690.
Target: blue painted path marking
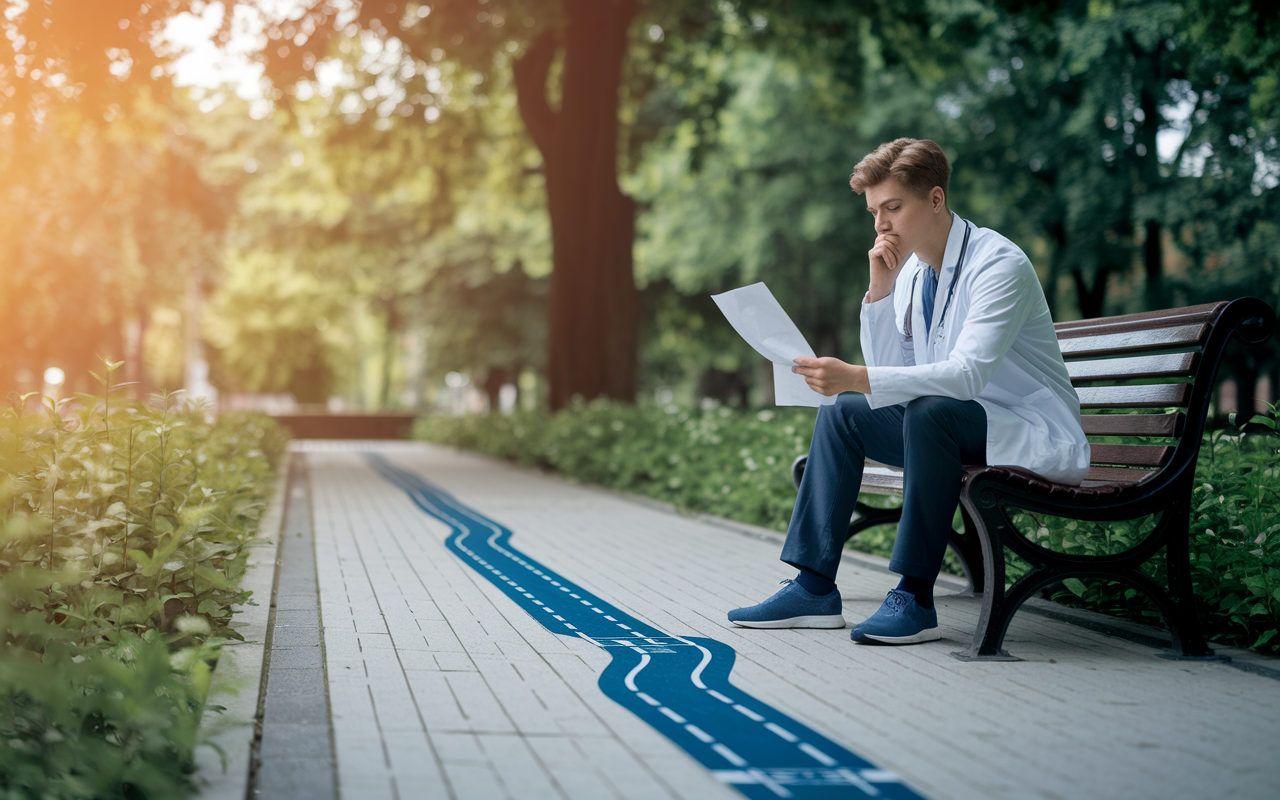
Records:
x=677, y=684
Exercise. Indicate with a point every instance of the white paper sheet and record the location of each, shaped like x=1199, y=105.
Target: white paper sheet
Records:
x=758, y=318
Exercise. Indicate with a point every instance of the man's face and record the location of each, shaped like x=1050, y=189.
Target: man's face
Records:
x=899, y=213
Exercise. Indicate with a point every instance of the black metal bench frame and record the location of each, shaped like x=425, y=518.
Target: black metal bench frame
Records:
x=1127, y=481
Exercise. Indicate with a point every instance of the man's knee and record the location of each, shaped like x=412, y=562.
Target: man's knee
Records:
x=851, y=405
x=844, y=413
x=842, y=418
x=931, y=411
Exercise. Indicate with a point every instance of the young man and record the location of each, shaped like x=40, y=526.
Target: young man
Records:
x=963, y=367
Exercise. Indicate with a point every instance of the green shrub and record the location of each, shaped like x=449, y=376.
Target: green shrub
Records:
x=717, y=461
x=124, y=533
x=735, y=464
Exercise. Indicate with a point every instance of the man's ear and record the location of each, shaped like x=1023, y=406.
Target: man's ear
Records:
x=937, y=199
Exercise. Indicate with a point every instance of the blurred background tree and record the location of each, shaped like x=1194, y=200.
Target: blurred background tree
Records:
x=544, y=193
x=107, y=217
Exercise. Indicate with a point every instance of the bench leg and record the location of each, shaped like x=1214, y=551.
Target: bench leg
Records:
x=997, y=606
x=1184, y=626
x=969, y=550
x=1180, y=610
x=1177, y=603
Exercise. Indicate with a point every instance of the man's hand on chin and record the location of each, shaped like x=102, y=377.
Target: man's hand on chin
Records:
x=831, y=376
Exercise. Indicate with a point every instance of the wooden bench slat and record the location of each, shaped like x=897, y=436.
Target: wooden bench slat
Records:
x=1099, y=475
x=1077, y=344
x=1169, y=365
x=1160, y=395
x=1131, y=455
x=881, y=480
x=885, y=481
x=1133, y=424
x=1163, y=318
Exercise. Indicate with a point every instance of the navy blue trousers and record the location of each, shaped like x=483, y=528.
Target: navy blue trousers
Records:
x=931, y=438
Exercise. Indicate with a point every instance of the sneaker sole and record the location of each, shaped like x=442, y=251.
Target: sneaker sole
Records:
x=827, y=621
x=927, y=635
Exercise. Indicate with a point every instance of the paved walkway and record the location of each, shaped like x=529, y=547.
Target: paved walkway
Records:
x=490, y=632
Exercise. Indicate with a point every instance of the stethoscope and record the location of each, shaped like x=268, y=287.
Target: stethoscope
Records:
x=951, y=290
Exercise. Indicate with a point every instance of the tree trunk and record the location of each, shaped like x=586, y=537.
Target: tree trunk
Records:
x=1091, y=299
x=493, y=382
x=1153, y=247
x=388, y=354
x=1246, y=375
x=1058, y=234
x=132, y=353
x=1153, y=259
x=593, y=301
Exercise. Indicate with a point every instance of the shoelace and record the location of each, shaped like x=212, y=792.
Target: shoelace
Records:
x=895, y=600
x=786, y=581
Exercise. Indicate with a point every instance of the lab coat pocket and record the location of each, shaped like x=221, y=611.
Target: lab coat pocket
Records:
x=1063, y=453
x=1017, y=432
x=1031, y=410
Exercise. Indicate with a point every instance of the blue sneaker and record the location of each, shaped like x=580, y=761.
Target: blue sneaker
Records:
x=901, y=620
x=792, y=607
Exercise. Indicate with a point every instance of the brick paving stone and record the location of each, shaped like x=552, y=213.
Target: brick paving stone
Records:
x=441, y=686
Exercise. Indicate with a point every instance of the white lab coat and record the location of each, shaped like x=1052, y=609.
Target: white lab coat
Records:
x=997, y=345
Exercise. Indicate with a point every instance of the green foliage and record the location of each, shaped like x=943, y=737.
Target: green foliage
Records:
x=124, y=533
x=713, y=460
x=736, y=464
x=109, y=721
x=716, y=461
x=98, y=240
x=766, y=198
x=358, y=243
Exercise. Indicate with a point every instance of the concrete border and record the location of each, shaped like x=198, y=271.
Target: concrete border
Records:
x=237, y=680
x=293, y=756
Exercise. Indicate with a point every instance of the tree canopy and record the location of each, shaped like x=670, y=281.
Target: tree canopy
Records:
x=545, y=192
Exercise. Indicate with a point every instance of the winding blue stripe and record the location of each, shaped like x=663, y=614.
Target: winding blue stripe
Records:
x=679, y=685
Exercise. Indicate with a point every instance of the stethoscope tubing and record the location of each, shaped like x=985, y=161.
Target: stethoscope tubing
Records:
x=951, y=290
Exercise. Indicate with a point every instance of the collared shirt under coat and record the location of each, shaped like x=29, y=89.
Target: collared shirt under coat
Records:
x=996, y=345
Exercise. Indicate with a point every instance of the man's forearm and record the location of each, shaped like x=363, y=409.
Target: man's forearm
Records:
x=859, y=380
x=831, y=376
x=881, y=287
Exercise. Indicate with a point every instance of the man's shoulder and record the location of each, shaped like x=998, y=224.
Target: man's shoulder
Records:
x=995, y=253
x=992, y=245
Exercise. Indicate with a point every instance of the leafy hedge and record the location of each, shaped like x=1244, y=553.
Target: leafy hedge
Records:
x=735, y=464
x=123, y=537
x=720, y=461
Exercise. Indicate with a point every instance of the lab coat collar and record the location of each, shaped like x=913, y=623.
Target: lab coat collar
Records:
x=955, y=240
x=950, y=257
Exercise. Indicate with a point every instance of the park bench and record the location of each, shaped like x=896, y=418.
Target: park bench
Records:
x=1148, y=377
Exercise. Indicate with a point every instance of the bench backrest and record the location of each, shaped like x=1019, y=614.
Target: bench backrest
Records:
x=1151, y=376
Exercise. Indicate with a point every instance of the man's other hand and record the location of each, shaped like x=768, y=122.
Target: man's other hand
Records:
x=830, y=376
